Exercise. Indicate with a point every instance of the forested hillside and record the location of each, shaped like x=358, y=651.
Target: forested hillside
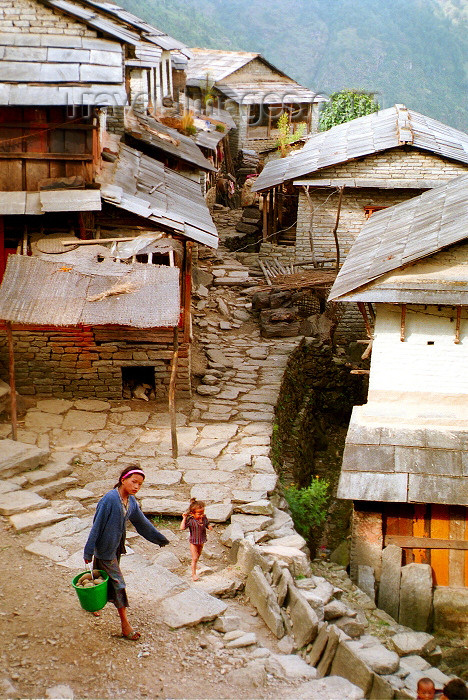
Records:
x=409, y=51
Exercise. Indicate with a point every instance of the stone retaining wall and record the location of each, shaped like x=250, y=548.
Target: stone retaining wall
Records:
x=71, y=363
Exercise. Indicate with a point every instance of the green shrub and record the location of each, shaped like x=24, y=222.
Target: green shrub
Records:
x=220, y=127
x=308, y=506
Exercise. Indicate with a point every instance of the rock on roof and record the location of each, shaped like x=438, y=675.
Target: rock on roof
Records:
x=395, y=237
x=389, y=128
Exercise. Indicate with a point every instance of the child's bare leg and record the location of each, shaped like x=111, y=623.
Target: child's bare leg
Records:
x=127, y=630
x=196, y=550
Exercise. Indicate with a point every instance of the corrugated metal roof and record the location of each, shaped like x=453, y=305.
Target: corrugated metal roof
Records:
x=388, y=128
x=142, y=185
x=169, y=140
x=268, y=92
x=36, y=291
x=403, y=234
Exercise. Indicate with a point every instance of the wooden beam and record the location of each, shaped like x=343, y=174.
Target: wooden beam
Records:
x=172, y=385
x=52, y=126
x=362, y=309
x=11, y=356
x=424, y=542
x=335, y=228
x=20, y=155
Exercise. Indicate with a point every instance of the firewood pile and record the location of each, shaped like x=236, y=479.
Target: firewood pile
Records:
x=284, y=276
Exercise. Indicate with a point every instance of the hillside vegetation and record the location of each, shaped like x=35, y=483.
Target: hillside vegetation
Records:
x=409, y=51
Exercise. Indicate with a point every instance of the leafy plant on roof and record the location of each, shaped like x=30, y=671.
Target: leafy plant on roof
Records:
x=207, y=92
x=347, y=105
x=285, y=136
x=187, y=124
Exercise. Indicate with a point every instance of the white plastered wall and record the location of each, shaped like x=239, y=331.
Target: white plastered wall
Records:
x=428, y=361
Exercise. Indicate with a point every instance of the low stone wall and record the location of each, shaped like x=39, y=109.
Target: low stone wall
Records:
x=72, y=363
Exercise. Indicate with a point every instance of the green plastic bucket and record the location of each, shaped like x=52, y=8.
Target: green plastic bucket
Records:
x=92, y=599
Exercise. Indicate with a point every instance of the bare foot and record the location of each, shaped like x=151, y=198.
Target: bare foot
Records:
x=194, y=577
x=96, y=613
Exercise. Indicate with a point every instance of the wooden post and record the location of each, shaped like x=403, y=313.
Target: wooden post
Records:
x=335, y=235
x=265, y=216
x=403, y=323
x=172, y=386
x=11, y=355
x=187, y=291
x=362, y=309
x=457, y=327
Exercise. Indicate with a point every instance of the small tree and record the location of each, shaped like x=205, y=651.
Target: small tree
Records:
x=346, y=105
x=285, y=137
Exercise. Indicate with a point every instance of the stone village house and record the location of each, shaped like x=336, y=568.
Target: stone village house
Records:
x=343, y=175
x=87, y=319
x=253, y=91
x=405, y=463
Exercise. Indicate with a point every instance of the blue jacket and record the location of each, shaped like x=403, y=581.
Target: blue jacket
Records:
x=109, y=527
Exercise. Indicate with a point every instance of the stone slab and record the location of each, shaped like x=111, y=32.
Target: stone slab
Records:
x=263, y=598
x=389, y=589
x=191, y=607
x=57, y=406
x=303, y=617
x=209, y=447
x=7, y=486
x=47, y=550
x=416, y=596
x=325, y=689
x=152, y=580
x=264, y=482
x=221, y=431
x=290, y=666
x=318, y=646
x=91, y=405
x=328, y=655
x=57, y=470
x=348, y=665
x=428, y=488
x=262, y=507
x=163, y=506
x=295, y=559
x=37, y=518
x=51, y=488
x=215, y=476
x=218, y=512
x=210, y=493
x=419, y=643
x=84, y=420
x=17, y=457
x=252, y=523
x=372, y=486
x=222, y=584
x=451, y=610
x=23, y=501
x=40, y=421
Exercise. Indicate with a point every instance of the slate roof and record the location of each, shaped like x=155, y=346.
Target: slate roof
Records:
x=218, y=65
x=144, y=186
x=108, y=17
x=169, y=140
x=389, y=128
x=36, y=291
x=48, y=69
x=396, y=237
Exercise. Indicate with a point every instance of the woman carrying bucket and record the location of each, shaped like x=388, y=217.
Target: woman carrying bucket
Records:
x=106, y=541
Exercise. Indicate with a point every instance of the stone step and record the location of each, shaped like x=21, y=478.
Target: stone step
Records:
x=17, y=457
x=53, y=487
x=52, y=470
x=23, y=522
x=21, y=502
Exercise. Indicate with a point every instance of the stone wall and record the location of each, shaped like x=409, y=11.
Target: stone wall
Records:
x=71, y=363
x=352, y=218
x=317, y=390
x=25, y=16
x=396, y=164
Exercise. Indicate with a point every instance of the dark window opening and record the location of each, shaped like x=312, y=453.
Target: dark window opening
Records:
x=430, y=342
x=138, y=383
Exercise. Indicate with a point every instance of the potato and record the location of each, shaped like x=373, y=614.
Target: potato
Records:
x=85, y=577
x=96, y=573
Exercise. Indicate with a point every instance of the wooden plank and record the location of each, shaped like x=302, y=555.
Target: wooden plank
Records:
x=457, y=557
x=420, y=531
x=11, y=359
x=426, y=543
x=440, y=557
x=405, y=529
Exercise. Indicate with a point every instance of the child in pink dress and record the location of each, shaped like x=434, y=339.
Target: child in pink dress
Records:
x=196, y=521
